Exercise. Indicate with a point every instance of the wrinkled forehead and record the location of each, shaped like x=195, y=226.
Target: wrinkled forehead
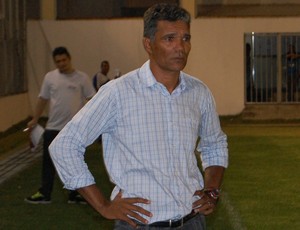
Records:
x=173, y=26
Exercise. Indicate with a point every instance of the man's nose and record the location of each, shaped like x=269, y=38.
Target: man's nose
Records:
x=179, y=44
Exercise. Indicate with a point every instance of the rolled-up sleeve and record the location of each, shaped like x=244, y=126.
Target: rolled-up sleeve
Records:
x=213, y=141
x=69, y=161
x=67, y=150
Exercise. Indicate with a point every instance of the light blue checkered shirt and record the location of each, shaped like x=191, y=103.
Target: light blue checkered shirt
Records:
x=149, y=138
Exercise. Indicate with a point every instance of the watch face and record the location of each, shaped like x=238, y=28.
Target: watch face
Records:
x=214, y=193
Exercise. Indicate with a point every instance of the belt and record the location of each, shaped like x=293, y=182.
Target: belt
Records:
x=174, y=223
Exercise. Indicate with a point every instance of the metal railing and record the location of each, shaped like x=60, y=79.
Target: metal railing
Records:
x=272, y=68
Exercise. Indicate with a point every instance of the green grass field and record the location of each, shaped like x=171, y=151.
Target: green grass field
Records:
x=260, y=189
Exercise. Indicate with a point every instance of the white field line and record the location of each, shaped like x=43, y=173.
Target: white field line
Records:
x=233, y=215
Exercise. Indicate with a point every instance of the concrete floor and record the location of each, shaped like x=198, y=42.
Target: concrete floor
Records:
x=271, y=112
x=17, y=161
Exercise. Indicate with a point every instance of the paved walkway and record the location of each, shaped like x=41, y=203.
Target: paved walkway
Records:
x=17, y=161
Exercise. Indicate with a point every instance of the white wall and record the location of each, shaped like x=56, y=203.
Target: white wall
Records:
x=217, y=55
x=13, y=109
x=89, y=42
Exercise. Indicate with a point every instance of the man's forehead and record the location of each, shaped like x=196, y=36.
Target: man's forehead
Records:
x=173, y=26
x=60, y=56
x=172, y=22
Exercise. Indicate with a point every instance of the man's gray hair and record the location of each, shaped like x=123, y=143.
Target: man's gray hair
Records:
x=163, y=12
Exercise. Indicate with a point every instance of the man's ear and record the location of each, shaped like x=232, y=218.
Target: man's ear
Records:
x=147, y=45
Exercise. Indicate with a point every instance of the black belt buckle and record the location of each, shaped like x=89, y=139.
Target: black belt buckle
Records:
x=176, y=223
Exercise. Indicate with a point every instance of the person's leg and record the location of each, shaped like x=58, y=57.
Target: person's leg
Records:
x=292, y=81
x=294, y=88
x=122, y=225
x=196, y=223
x=289, y=87
x=75, y=198
x=48, y=169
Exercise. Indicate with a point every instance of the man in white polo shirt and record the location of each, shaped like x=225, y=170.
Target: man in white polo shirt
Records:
x=66, y=90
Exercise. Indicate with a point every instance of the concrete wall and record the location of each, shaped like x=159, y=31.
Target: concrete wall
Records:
x=13, y=110
x=217, y=55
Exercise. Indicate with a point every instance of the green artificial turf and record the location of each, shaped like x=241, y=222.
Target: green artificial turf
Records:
x=260, y=189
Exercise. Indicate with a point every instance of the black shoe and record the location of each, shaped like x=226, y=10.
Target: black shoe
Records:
x=37, y=198
x=76, y=200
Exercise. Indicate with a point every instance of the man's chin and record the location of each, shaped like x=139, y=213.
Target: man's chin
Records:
x=179, y=66
x=63, y=70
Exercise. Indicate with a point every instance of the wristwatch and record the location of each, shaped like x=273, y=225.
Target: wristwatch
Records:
x=213, y=194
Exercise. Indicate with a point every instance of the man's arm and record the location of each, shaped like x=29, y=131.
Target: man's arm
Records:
x=208, y=197
x=40, y=107
x=120, y=208
x=213, y=177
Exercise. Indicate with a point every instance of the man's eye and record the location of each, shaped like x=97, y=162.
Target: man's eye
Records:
x=187, y=38
x=169, y=38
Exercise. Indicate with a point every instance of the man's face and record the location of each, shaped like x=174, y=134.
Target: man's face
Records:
x=63, y=63
x=105, y=68
x=171, y=46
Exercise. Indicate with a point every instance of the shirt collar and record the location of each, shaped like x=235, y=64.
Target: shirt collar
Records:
x=145, y=75
x=147, y=78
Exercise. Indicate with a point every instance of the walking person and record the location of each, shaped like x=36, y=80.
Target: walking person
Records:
x=292, y=77
x=66, y=90
x=150, y=120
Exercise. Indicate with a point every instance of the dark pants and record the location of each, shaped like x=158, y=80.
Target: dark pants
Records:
x=196, y=223
x=48, y=169
x=292, y=80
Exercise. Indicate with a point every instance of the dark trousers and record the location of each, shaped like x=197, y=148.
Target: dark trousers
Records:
x=292, y=81
x=48, y=169
x=196, y=223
